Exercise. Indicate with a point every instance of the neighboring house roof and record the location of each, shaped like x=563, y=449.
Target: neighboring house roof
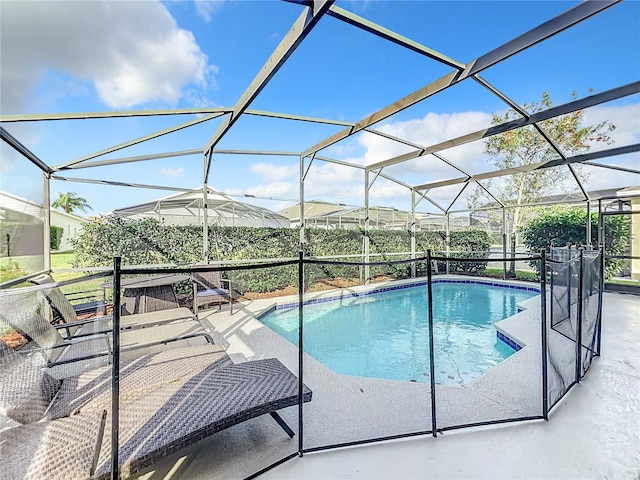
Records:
x=187, y=209
x=577, y=197
x=378, y=216
x=311, y=209
x=629, y=191
x=69, y=216
x=12, y=205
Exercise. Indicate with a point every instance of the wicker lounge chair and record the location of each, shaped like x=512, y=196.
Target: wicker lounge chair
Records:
x=167, y=402
x=23, y=310
x=65, y=314
x=61, y=449
x=209, y=287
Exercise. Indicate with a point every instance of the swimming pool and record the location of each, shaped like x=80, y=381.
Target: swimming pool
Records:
x=386, y=334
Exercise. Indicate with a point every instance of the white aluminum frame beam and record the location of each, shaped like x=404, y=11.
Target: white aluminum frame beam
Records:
x=140, y=158
x=364, y=24
x=39, y=117
x=536, y=166
x=138, y=140
x=298, y=32
x=24, y=151
x=611, y=167
x=120, y=184
x=603, y=97
x=536, y=35
x=301, y=118
x=182, y=153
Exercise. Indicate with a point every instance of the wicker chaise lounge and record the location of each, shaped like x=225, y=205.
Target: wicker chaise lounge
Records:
x=167, y=402
x=22, y=310
x=65, y=314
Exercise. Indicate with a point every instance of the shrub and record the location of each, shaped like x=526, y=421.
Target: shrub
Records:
x=471, y=243
x=561, y=226
x=55, y=236
x=148, y=241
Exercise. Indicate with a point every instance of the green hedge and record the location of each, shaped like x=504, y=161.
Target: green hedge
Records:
x=55, y=237
x=150, y=242
x=471, y=244
x=562, y=226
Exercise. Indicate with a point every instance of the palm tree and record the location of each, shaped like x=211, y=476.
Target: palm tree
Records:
x=70, y=201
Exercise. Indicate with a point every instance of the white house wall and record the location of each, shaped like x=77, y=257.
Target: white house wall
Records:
x=71, y=225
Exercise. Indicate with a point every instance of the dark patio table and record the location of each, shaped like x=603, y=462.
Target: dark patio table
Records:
x=148, y=294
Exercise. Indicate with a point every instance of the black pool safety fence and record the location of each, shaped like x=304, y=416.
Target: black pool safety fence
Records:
x=338, y=353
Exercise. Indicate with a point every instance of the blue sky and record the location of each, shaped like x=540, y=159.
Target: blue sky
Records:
x=97, y=56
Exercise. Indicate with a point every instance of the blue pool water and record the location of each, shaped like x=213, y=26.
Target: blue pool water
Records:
x=386, y=335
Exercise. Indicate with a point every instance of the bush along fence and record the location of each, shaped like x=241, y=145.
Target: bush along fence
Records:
x=147, y=241
x=559, y=227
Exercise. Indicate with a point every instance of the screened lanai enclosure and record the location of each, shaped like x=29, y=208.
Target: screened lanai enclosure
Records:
x=202, y=332
x=189, y=209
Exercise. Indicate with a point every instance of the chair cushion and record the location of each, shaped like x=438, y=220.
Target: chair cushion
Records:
x=213, y=291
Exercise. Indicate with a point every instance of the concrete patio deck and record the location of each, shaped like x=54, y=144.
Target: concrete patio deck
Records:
x=592, y=433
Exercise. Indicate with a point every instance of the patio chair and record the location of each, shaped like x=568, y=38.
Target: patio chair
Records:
x=209, y=287
x=65, y=314
x=167, y=402
x=60, y=449
x=68, y=447
x=26, y=312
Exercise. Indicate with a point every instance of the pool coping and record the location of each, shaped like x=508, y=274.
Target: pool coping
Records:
x=372, y=289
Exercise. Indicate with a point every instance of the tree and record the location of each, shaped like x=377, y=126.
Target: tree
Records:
x=70, y=201
x=527, y=146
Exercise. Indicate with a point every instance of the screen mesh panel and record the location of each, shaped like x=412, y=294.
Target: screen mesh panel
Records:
x=366, y=353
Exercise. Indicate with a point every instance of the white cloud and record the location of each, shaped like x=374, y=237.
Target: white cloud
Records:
x=273, y=173
x=206, y=8
x=436, y=128
x=626, y=119
x=172, y=172
x=132, y=52
x=430, y=130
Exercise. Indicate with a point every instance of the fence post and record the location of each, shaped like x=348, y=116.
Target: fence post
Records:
x=300, y=349
x=600, y=224
x=504, y=242
x=447, y=242
x=579, y=312
x=432, y=366
x=600, y=298
x=569, y=280
x=543, y=312
x=504, y=254
x=115, y=371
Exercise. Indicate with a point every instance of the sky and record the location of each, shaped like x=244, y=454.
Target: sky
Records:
x=97, y=56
